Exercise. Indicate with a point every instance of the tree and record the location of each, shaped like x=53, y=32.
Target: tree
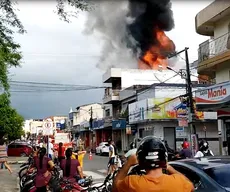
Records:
x=11, y=122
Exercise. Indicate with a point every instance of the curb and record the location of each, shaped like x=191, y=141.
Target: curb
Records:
x=16, y=162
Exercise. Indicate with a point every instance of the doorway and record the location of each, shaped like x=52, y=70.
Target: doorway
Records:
x=170, y=136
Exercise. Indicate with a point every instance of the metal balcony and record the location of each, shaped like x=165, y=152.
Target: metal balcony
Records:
x=213, y=52
x=112, y=96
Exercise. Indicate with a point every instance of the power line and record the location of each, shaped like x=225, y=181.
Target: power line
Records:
x=57, y=84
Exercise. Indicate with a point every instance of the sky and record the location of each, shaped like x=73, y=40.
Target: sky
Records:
x=58, y=52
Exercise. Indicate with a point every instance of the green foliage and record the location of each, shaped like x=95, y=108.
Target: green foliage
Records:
x=11, y=122
x=78, y=5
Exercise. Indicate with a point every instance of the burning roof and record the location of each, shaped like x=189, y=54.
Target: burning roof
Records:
x=135, y=29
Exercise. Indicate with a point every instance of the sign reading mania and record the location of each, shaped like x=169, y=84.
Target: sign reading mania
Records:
x=214, y=94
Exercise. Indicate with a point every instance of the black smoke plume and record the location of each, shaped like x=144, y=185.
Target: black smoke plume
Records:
x=150, y=15
x=127, y=29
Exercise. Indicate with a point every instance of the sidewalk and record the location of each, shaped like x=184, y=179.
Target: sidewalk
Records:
x=17, y=160
x=9, y=182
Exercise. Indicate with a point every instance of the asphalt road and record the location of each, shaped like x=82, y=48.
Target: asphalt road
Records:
x=95, y=168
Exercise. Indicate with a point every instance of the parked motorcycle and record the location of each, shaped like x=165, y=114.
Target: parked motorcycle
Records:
x=24, y=167
x=73, y=186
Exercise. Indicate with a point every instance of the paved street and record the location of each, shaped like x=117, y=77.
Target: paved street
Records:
x=95, y=168
x=9, y=182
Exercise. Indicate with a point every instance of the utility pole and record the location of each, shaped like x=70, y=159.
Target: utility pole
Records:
x=91, y=119
x=191, y=111
x=190, y=95
x=91, y=126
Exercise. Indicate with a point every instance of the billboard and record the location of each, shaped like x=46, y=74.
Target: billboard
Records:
x=138, y=111
x=169, y=108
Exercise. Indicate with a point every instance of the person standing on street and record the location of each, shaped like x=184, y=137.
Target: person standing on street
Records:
x=111, y=164
x=51, y=149
x=3, y=155
x=61, y=152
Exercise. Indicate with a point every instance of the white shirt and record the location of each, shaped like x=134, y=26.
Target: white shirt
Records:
x=111, y=149
x=200, y=154
x=51, y=146
x=40, y=145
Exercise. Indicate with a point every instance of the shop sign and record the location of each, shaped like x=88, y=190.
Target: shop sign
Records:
x=194, y=143
x=183, y=122
x=214, y=94
x=138, y=111
x=119, y=124
x=98, y=124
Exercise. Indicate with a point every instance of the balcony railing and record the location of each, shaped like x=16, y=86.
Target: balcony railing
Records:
x=213, y=47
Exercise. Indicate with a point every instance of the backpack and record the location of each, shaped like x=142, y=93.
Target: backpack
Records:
x=208, y=153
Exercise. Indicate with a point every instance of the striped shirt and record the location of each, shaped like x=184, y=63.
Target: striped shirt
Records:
x=3, y=153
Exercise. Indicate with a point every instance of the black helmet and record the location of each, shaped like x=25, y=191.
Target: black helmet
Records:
x=203, y=145
x=152, y=153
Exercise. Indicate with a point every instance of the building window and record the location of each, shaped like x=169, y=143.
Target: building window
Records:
x=107, y=112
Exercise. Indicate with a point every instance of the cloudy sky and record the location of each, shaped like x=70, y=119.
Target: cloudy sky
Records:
x=59, y=52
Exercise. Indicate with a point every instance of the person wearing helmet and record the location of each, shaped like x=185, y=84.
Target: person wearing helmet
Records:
x=204, y=150
x=152, y=157
x=185, y=152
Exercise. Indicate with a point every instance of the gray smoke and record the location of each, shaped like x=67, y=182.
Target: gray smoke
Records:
x=127, y=29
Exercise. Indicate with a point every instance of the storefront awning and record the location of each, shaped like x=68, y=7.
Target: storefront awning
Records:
x=214, y=97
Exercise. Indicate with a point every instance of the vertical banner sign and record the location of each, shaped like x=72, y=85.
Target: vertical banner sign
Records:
x=194, y=143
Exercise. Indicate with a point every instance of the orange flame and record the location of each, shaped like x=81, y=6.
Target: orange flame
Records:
x=156, y=57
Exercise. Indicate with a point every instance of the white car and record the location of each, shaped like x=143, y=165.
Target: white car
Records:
x=103, y=148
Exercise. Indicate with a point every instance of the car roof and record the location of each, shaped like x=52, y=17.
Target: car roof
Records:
x=19, y=143
x=204, y=162
x=103, y=142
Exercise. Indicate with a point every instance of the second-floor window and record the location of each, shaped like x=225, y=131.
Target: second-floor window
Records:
x=107, y=112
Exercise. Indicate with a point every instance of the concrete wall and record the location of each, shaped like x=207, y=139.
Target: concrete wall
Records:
x=221, y=28
x=223, y=73
x=83, y=113
x=148, y=93
x=157, y=129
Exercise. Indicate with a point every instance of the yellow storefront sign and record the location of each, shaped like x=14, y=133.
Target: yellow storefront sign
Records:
x=168, y=108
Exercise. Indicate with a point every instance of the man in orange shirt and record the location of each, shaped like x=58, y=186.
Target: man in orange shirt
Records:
x=152, y=157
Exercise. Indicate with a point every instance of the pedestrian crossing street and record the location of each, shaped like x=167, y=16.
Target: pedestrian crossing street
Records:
x=98, y=175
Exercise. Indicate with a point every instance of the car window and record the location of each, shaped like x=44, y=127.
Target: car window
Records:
x=19, y=146
x=11, y=146
x=220, y=174
x=191, y=175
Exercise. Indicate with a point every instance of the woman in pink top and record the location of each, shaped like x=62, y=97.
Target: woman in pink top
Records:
x=71, y=167
x=42, y=163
